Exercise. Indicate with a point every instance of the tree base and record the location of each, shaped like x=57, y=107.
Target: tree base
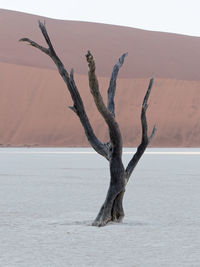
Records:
x=103, y=222
x=111, y=213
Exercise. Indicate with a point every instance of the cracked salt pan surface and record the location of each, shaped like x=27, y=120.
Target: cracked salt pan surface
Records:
x=48, y=202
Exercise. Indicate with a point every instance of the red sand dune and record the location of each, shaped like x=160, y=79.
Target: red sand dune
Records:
x=34, y=100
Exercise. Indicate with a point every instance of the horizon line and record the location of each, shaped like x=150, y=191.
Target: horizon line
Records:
x=93, y=152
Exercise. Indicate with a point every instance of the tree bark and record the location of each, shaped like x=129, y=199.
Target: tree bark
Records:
x=117, y=172
x=112, y=208
x=117, y=212
x=78, y=106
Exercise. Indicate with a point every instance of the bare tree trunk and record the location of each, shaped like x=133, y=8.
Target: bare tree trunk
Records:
x=116, y=213
x=112, y=208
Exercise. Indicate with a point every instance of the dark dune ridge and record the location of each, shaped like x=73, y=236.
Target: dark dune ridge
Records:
x=34, y=100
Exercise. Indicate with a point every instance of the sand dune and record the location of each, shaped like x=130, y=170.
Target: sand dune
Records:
x=161, y=54
x=34, y=100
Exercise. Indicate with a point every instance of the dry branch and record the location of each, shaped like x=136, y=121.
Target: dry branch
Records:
x=78, y=106
x=145, y=139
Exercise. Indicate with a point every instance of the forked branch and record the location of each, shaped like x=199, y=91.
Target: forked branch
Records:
x=145, y=138
x=78, y=106
x=114, y=131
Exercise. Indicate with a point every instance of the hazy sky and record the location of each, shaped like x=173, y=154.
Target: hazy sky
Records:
x=178, y=16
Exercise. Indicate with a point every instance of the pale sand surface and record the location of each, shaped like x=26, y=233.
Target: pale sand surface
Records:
x=50, y=196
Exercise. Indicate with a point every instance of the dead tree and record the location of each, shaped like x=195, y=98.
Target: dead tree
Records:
x=112, y=208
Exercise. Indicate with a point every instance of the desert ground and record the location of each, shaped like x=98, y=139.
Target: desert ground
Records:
x=50, y=196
